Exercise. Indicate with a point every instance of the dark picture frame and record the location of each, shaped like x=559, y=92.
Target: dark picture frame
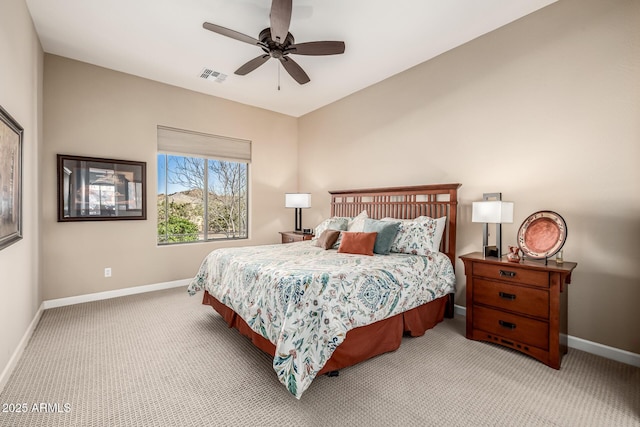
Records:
x=10, y=179
x=98, y=189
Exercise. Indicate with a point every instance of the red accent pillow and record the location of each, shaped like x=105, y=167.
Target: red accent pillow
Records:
x=356, y=242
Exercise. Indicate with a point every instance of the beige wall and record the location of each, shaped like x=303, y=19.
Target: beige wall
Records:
x=20, y=95
x=92, y=111
x=545, y=110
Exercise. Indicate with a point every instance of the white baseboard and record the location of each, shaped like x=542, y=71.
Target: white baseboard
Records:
x=601, y=350
x=605, y=351
x=61, y=302
x=15, y=357
x=459, y=310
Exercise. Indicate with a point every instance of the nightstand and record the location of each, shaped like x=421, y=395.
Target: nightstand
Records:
x=294, y=236
x=522, y=305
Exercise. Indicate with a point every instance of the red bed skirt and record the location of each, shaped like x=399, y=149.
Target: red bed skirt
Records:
x=360, y=343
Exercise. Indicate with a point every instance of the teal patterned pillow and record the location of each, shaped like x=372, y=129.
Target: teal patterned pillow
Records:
x=334, y=223
x=419, y=236
x=387, y=232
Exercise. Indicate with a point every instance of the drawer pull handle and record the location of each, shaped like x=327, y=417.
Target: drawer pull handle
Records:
x=507, y=325
x=505, y=273
x=505, y=295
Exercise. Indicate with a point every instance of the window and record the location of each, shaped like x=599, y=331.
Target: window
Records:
x=202, y=187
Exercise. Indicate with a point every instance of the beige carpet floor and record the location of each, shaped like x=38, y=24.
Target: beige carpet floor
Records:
x=163, y=359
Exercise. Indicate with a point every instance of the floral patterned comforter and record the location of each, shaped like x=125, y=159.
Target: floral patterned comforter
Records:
x=305, y=299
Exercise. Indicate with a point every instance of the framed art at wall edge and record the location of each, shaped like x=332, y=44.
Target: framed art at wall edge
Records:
x=10, y=180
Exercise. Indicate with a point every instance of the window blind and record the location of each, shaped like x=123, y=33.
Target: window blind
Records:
x=179, y=141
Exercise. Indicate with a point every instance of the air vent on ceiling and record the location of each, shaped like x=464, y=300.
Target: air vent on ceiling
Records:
x=209, y=74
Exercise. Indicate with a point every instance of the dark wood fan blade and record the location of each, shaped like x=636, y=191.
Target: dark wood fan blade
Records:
x=295, y=70
x=252, y=65
x=231, y=33
x=280, y=19
x=317, y=48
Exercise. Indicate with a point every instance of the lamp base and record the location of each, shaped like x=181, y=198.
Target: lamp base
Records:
x=491, y=251
x=298, y=216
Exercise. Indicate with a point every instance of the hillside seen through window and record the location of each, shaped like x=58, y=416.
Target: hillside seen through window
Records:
x=201, y=199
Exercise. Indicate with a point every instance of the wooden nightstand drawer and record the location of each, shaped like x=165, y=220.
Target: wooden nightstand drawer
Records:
x=288, y=238
x=519, y=299
x=512, y=273
x=294, y=236
x=511, y=326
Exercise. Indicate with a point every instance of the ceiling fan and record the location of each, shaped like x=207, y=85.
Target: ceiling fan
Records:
x=277, y=42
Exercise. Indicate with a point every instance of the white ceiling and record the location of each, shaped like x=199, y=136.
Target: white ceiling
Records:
x=163, y=40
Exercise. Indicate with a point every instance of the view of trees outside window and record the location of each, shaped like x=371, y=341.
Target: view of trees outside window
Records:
x=183, y=196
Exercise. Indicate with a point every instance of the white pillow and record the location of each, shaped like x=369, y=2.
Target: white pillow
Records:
x=357, y=223
x=418, y=236
x=441, y=223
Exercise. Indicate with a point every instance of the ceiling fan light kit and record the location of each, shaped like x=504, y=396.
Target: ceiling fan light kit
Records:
x=278, y=43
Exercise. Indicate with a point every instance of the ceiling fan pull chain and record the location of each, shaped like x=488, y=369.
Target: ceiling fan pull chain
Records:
x=278, y=76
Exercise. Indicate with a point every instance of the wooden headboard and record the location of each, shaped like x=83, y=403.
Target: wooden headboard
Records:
x=404, y=203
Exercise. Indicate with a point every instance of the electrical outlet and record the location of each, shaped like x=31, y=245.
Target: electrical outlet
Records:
x=107, y=272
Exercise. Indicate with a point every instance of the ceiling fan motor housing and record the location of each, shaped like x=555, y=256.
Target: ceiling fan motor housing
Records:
x=273, y=48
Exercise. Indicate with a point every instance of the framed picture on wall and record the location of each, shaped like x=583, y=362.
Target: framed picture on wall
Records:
x=10, y=180
x=96, y=189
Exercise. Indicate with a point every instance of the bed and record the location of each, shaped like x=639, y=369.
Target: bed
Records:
x=318, y=311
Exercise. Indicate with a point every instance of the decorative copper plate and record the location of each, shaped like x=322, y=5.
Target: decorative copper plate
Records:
x=542, y=234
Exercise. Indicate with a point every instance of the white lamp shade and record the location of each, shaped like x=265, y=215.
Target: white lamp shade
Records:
x=297, y=200
x=492, y=211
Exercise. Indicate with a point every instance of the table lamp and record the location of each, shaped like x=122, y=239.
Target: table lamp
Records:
x=492, y=210
x=298, y=201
